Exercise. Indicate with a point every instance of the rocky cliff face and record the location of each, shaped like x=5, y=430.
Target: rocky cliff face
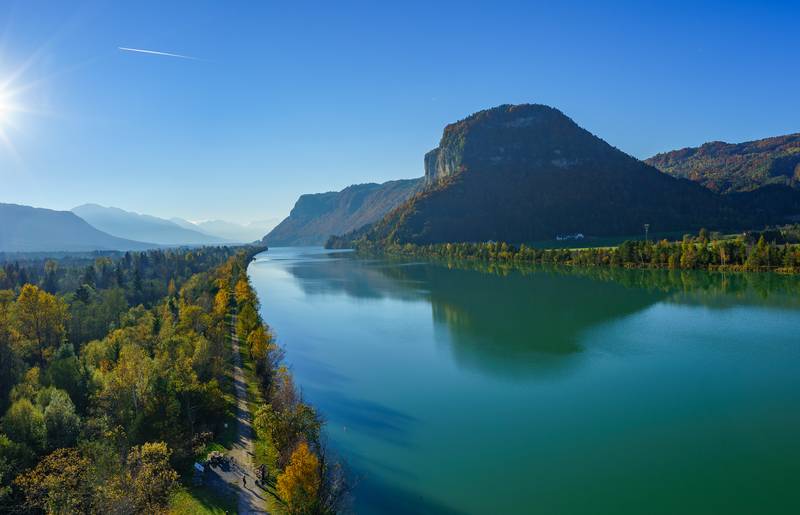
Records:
x=523, y=173
x=728, y=168
x=511, y=135
x=315, y=217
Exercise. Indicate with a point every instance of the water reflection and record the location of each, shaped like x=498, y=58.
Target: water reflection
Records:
x=515, y=320
x=506, y=324
x=565, y=380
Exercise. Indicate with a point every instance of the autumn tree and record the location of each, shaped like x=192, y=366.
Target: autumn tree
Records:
x=243, y=293
x=298, y=485
x=58, y=484
x=258, y=342
x=41, y=319
x=126, y=387
x=192, y=318
x=149, y=477
x=221, y=302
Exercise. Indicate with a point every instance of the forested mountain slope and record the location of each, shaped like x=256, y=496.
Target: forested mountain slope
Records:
x=727, y=168
x=317, y=216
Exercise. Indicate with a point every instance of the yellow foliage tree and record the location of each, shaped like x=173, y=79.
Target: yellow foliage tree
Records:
x=299, y=484
x=221, y=301
x=150, y=478
x=41, y=318
x=58, y=483
x=259, y=342
x=242, y=291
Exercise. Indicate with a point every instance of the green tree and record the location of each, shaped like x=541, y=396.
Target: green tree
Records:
x=14, y=457
x=246, y=321
x=11, y=367
x=67, y=373
x=24, y=423
x=61, y=423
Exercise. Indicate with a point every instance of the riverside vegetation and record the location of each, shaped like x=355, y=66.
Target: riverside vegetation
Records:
x=776, y=250
x=115, y=378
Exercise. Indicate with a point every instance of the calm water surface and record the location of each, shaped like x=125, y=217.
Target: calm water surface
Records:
x=450, y=389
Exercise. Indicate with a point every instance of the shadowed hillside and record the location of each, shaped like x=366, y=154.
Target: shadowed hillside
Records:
x=317, y=216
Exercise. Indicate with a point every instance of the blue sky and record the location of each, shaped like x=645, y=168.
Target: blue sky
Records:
x=297, y=97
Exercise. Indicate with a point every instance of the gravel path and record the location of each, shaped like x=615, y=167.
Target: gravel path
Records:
x=252, y=499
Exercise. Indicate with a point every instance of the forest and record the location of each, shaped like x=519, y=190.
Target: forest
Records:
x=115, y=379
x=773, y=250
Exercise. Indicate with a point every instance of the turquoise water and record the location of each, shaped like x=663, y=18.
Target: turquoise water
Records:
x=457, y=389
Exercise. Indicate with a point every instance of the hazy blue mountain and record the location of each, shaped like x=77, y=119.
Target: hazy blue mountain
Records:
x=315, y=217
x=186, y=224
x=241, y=233
x=134, y=226
x=30, y=229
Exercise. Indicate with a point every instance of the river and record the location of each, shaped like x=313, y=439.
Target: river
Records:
x=461, y=388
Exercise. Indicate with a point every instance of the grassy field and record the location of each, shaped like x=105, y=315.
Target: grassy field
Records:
x=604, y=242
x=198, y=500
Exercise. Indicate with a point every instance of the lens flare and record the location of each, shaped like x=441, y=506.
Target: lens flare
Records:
x=11, y=108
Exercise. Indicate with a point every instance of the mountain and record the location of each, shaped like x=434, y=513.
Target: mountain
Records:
x=186, y=224
x=126, y=224
x=30, y=229
x=240, y=233
x=523, y=173
x=727, y=167
x=317, y=216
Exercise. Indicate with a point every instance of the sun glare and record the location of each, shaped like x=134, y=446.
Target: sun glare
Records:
x=8, y=106
x=4, y=105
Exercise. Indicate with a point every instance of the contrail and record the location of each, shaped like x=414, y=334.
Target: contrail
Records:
x=154, y=52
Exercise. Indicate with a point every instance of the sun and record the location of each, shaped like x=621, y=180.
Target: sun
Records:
x=9, y=105
x=4, y=105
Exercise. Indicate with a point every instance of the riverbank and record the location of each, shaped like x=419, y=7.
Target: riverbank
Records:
x=692, y=253
x=287, y=454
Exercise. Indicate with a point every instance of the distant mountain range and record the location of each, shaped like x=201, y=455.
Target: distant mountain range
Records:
x=134, y=226
x=29, y=229
x=728, y=168
x=523, y=173
x=240, y=233
x=93, y=227
x=315, y=217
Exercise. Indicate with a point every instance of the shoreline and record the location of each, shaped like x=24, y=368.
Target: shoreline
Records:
x=698, y=253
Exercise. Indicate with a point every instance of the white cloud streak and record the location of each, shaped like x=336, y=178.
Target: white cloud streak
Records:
x=155, y=52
